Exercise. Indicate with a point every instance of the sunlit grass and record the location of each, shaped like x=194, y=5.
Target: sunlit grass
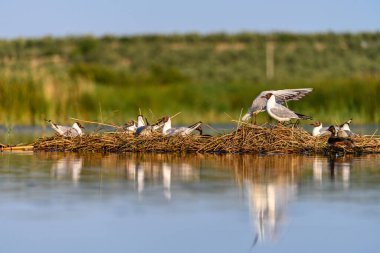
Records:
x=212, y=78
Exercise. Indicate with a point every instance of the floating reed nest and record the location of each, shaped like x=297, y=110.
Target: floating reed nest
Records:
x=245, y=139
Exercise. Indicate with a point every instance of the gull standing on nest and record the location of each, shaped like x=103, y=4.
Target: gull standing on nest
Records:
x=67, y=131
x=259, y=103
x=183, y=131
x=280, y=112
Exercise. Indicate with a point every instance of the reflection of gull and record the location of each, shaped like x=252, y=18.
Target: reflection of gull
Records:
x=260, y=102
x=343, y=165
x=68, y=166
x=166, y=178
x=317, y=169
x=140, y=178
x=131, y=169
x=187, y=171
x=161, y=171
x=268, y=203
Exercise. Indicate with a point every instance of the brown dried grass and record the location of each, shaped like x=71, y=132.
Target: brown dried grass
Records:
x=245, y=139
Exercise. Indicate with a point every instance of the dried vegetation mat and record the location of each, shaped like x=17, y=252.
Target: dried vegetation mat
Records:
x=244, y=139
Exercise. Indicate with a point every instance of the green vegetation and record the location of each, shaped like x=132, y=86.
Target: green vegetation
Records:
x=204, y=77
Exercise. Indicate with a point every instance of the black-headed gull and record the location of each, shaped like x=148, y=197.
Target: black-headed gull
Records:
x=259, y=103
x=67, y=131
x=280, y=112
x=318, y=129
x=148, y=129
x=184, y=131
x=344, y=129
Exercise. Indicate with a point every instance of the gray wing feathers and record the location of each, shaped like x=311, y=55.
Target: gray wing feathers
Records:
x=283, y=112
x=290, y=94
x=259, y=103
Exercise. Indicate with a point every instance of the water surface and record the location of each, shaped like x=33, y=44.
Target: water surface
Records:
x=62, y=202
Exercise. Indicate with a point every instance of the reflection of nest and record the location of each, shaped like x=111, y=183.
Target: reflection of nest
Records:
x=255, y=168
x=125, y=165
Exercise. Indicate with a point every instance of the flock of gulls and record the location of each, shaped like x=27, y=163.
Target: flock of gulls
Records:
x=271, y=101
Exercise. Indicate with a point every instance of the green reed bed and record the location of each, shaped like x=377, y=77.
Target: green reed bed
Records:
x=205, y=76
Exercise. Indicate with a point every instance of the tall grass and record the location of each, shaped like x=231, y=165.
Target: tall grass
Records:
x=208, y=78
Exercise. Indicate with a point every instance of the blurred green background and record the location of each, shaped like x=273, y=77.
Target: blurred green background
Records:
x=212, y=77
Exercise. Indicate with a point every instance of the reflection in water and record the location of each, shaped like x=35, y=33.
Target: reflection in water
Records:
x=67, y=166
x=271, y=186
x=140, y=177
x=271, y=182
x=140, y=196
x=335, y=166
x=318, y=164
x=162, y=170
x=268, y=204
x=341, y=165
x=166, y=175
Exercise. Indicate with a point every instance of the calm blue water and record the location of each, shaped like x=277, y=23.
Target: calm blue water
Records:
x=54, y=202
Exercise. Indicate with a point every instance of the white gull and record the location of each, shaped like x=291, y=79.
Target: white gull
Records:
x=259, y=103
x=67, y=131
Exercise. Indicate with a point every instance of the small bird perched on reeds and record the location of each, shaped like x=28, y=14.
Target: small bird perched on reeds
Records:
x=67, y=131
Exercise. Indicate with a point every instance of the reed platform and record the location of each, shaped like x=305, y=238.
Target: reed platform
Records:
x=244, y=139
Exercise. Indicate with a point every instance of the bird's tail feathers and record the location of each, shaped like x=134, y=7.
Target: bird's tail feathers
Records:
x=301, y=116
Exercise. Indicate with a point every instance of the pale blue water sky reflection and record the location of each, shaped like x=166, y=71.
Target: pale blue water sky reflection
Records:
x=196, y=203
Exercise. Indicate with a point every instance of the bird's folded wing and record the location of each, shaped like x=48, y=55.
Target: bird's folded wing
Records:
x=283, y=112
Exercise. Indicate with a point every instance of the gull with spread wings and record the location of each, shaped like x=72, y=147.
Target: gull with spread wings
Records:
x=260, y=102
x=280, y=112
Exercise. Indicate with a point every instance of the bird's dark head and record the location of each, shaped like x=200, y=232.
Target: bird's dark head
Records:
x=316, y=124
x=267, y=96
x=164, y=119
x=332, y=130
x=129, y=123
x=348, y=122
x=79, y=125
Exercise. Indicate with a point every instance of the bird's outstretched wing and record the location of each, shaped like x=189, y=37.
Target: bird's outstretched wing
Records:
x=259, y=103
x=290, y=94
